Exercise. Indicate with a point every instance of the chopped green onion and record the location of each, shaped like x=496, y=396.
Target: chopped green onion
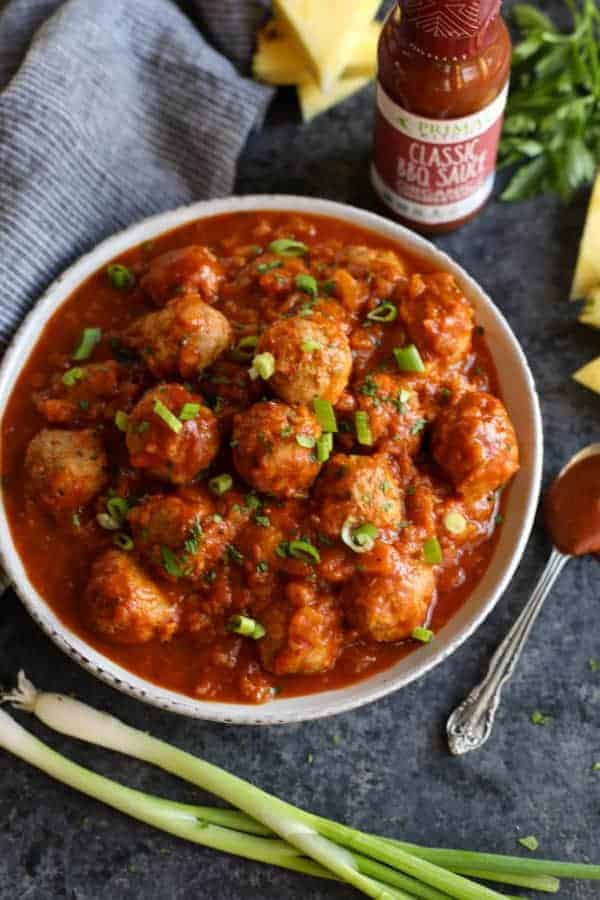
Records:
x=324, y=447
x=263, y=268
x=262, y=567
x=594, y=664
x=189, y=411
x=247, y=627
x=118, y=508
x=170, y=562
x=307, y=284
x=363, y=428
x=596, y=767
x=359, y=538
x=244, y=349
x=288, y=247
x=539, y=718
x=76, y=521
x=418, y=426
x=163, y=412
x=424, y=635
x=123, y=541
x=74, y=375
x=328, y=287
x=311, y=346
x=455, y=523
x=121, y=420
x=385, y=312
x=220, y=484
x=263, y=366
x=90, y=337
x=263, y=521
x=432, y=551
x=530, y=842
x=409, y=359
x=234, y=554
x=306, y=440
x=120, y=276
x=108, y=522
x=304, y=550
x=325, y=414
x=252, y=501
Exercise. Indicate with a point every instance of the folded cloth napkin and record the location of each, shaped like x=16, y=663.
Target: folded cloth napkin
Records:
x=111, y=110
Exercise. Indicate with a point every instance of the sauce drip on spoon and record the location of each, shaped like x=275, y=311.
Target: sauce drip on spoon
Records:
x=573, y=508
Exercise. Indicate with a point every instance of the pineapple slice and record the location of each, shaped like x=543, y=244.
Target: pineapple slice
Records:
x=280, y=60
x=328, y=31
x=589, y=376
x=587, y=271
x=314, y=101
x=590, y=314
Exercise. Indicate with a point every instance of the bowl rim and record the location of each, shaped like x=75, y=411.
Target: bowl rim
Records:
x=310, y=706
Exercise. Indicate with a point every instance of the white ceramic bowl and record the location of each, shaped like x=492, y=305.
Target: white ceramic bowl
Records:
x=519, y=395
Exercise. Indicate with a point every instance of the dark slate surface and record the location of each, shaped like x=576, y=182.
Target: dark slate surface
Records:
x=386, y=767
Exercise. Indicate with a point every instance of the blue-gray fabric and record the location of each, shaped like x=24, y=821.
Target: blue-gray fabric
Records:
x=111, y=110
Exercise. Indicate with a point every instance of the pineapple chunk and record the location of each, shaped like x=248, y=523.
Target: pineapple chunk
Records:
x=280, y=60
x=590, y=314
x=314, y=101
x=328, y=31
x=589, y=376
x=587, y=271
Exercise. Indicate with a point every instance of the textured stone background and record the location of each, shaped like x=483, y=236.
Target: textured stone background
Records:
x=388, y=768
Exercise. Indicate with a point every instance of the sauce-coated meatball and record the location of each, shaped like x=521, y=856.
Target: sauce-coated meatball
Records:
x=474, y=443
x=303, y=632
x=274, y=448
x=360, y=489
x=125, y=606
x=183, y=535
x=192, y=267
x=184, y=338
x=65, y=469
x=395, y=414
x=438, y=317
x=175, y=453
x=389, y=609
x=312, y=358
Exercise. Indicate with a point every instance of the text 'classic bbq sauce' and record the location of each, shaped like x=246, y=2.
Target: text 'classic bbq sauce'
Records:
x=442, y=85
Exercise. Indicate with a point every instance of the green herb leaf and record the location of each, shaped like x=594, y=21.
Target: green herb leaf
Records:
x=530, y=842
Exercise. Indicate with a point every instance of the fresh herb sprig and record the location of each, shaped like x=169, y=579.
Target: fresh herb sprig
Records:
x=552, y=125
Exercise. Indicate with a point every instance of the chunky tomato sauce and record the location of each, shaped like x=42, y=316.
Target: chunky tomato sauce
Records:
x=342, y=550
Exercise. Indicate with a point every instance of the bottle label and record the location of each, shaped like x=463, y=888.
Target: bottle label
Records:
x=435, y=171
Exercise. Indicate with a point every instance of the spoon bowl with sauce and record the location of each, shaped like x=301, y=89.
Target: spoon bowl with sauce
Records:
x=572, y=517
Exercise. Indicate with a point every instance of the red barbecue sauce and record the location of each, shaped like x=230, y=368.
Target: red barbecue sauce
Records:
x=573, y=508
x=442, y=84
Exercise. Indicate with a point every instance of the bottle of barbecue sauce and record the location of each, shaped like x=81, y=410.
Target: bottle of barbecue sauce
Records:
x=441, y=92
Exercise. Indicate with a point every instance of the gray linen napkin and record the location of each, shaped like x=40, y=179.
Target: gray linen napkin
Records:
x=111, y=110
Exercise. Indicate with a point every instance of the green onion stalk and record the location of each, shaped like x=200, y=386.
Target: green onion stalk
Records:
x=379, y=867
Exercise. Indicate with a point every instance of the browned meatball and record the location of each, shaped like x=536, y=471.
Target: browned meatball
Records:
x=303, y=632
x=176, y=451
x=88, y=393
x=389, y=609
x=185, y=534
x=396, y=417
x=123, y=605
x=65, y=469
x=184, y=338
x=438, y=317
x=360, y=489
x=312, y=358
x=274, y=448
x=192, y=267
x=474, y=443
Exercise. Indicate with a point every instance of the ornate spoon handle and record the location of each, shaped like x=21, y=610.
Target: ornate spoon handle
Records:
x=471, y=723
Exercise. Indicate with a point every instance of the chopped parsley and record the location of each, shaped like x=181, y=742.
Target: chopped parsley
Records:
x=193, y=538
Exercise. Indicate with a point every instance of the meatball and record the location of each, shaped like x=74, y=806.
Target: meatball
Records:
x=438, y=317
x=274, y=448
x=87, y=393
x=192, y=267
x=361, y=489
x=176, y=451
x=312, y=358
x=389, y=609
x=184, y=338
x=474, y=443
x=303, y=632
x=65, y=469
x=183, y=535
x=123, y=605
x=395, y=413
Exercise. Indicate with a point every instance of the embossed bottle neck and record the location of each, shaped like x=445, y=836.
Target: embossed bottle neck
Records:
x=447, y=29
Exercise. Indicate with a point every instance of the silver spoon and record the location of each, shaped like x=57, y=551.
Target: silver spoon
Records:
x=471, y=723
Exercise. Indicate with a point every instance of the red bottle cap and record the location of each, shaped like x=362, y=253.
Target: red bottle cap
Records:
x=448, y=29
